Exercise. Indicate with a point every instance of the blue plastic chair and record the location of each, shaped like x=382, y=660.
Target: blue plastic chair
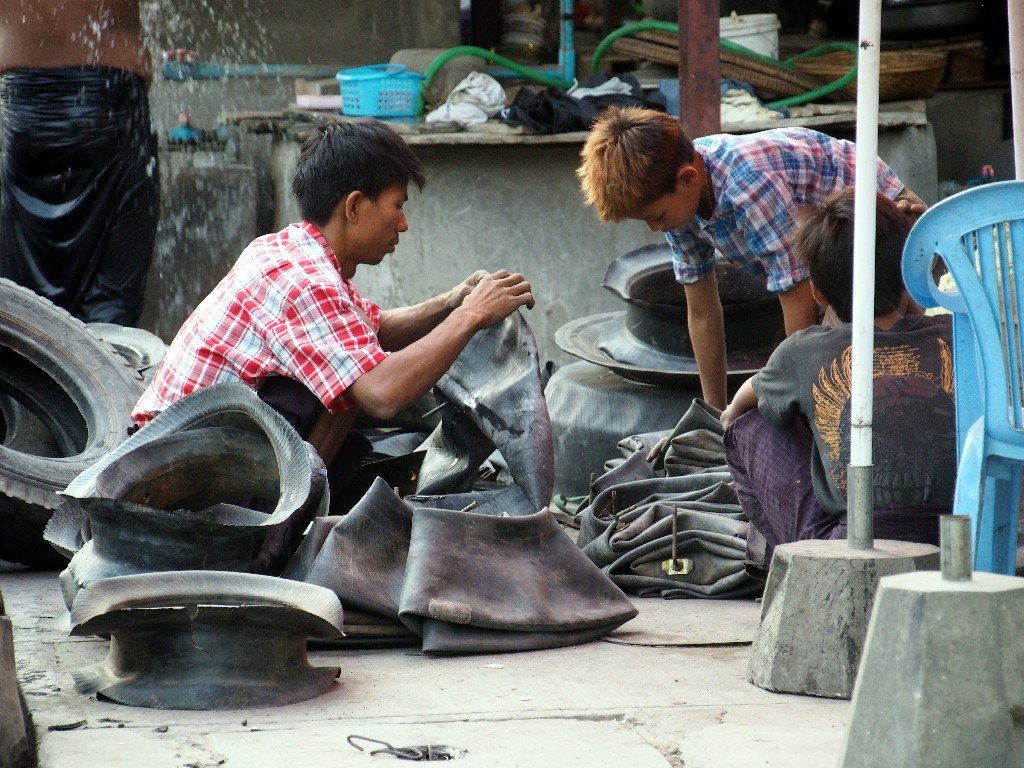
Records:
x=979, y=235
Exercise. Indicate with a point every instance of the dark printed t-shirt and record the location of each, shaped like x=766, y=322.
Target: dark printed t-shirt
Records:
x=913, y=418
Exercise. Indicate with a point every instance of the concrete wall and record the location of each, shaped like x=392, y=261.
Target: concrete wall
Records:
x=971, y=129
x=485, y=206
x=490, y=207
x=344, y=32
x=327, y=34
x=208, y=214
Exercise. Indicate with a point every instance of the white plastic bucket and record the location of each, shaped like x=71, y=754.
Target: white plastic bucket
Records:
x=757, y=31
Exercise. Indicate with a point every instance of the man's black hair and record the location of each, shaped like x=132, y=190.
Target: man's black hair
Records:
x=343, y=157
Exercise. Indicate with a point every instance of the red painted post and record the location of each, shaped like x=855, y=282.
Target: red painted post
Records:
x=700, y=109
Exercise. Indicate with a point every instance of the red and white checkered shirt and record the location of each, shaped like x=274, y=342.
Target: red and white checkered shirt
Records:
x=284, y=309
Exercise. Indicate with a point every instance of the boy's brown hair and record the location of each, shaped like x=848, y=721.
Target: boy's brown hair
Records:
x=630, y=159
x=824, y=242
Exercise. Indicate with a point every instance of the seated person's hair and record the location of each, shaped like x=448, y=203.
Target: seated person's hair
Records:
x=340, y=158
x=630, y=159
x=824, y=242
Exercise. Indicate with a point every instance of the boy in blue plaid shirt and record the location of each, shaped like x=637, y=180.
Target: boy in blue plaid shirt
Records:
x=733, y=196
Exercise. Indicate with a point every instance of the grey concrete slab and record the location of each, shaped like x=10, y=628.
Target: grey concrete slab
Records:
x=668, y=688
x=555, y=742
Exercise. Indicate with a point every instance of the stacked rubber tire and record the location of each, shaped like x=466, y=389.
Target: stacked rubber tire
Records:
x=65, y=400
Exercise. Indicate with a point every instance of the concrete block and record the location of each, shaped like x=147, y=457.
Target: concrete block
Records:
x=17, y=745
x=941, y=682
x=815, y=612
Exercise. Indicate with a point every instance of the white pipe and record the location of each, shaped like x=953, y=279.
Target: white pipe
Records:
x=868, y=66
x=1015, y=12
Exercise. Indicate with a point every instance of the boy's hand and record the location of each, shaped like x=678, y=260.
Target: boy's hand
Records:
x=911, y=209
x=728, y=416
x=910, y=204
x=656, y=449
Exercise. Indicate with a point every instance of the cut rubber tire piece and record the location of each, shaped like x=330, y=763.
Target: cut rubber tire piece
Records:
x=79, y=388
x=141, y=349
x=144, y=515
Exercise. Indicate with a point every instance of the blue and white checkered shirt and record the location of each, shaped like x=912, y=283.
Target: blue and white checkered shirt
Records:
x=757, y=180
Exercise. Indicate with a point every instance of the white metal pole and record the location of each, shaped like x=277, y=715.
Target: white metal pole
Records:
x=859, y=477
x=1015, y=12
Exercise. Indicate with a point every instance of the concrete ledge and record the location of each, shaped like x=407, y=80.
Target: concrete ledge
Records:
x=815, y=613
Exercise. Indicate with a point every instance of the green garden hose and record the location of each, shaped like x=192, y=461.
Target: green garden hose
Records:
x=792, y=101
x=494, y=58
x=531, y=73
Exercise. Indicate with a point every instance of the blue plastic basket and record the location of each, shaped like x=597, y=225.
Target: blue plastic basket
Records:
x=380, y=90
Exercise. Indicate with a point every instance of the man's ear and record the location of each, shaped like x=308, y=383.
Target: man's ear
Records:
x=351, y=204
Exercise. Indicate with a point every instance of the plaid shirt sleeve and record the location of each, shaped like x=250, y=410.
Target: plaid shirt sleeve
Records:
x=693, y=257
x=888, y=182
x=325, y=342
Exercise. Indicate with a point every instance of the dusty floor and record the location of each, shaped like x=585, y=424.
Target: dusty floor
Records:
x=668, y=688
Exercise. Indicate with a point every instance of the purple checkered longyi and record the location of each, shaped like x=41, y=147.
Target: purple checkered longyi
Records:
x=771, y=472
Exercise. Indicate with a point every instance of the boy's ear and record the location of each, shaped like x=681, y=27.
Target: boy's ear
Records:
x=818, y=296
x=687, y=174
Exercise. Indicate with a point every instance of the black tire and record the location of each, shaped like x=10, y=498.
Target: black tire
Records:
x=23, y=431
x=83, y=393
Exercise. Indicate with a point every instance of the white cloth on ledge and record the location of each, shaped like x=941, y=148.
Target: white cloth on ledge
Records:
x=475, y=99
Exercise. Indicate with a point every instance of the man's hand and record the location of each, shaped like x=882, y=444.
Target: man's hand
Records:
x=462, y=290
x=495, y=296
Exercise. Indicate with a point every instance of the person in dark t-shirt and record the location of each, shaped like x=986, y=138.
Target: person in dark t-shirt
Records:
x=788, y=427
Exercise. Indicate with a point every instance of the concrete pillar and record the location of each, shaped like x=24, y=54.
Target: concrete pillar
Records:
x=17, y=747
x=815, y=612
x=207, y=217
x=942, y=678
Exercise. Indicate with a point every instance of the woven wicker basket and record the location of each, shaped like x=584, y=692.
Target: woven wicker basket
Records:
x=902, y=74
x=769, y=81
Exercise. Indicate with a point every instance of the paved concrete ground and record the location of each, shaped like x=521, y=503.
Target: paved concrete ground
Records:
x=668, y=688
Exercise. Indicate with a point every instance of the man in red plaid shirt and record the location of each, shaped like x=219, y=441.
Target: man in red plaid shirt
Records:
x=288, y=322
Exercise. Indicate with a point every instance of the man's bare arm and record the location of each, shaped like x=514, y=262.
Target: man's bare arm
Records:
x=412, y=370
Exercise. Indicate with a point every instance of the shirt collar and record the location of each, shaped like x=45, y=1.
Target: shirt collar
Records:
x=701, y=221
x=314, y=231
